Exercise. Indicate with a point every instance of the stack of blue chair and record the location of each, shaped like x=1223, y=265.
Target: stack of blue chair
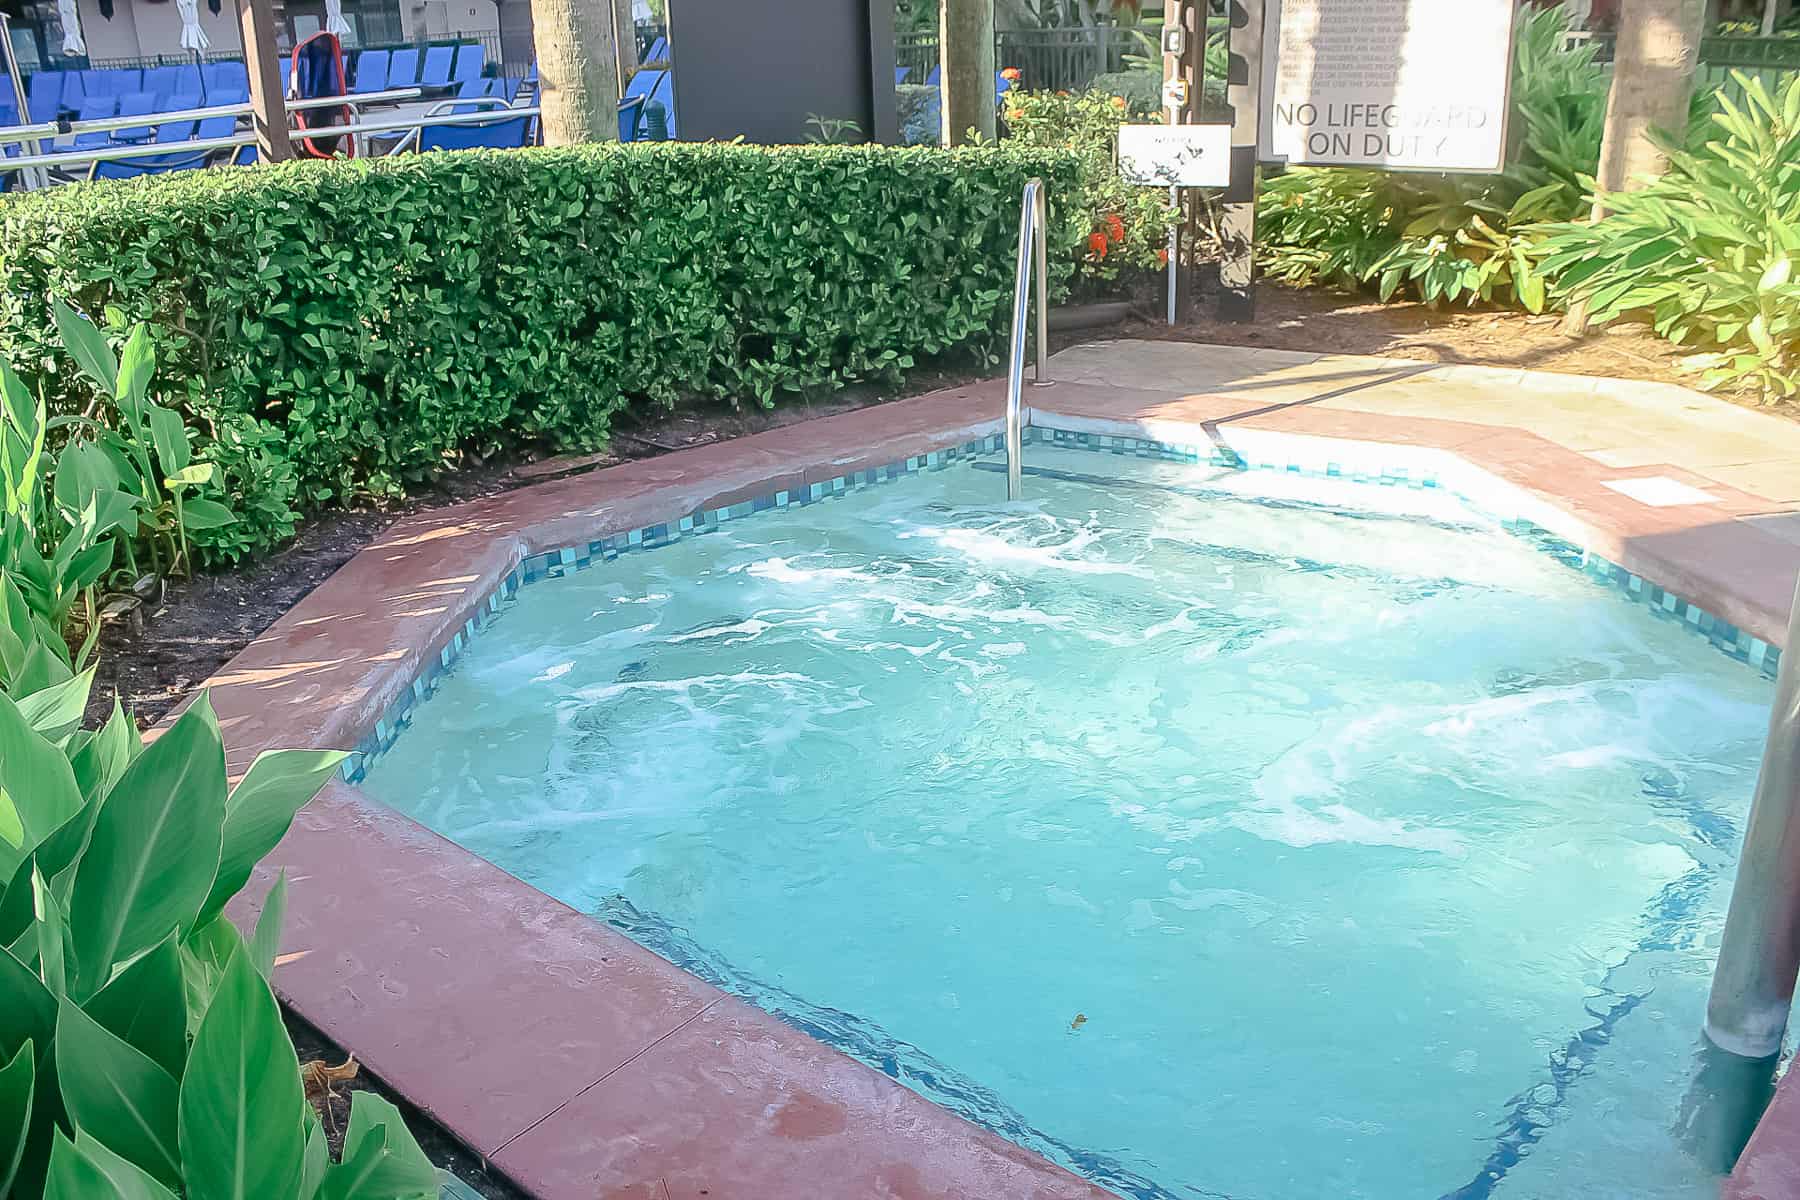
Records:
x=651, y=84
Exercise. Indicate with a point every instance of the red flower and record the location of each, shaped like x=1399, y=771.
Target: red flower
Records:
x=1012, y=74
x=1162, y=258
x=1115, y=228
x=1097, y=244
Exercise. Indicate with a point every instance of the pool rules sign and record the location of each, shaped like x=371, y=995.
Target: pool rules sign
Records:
x=1417, y=85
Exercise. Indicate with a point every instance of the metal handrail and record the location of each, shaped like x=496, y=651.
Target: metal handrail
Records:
x=1033, y=216
x=52, y=129
x=247, y=138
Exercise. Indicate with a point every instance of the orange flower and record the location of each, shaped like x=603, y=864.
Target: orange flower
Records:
x=1118, y=101
x=1115, y=228
x=1013, y=114
x=1012, y=74
x=1062, y=91
x=1162, y=258
x=1097, y=244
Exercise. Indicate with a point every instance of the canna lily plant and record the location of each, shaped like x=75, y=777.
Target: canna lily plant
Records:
x=142, y=1053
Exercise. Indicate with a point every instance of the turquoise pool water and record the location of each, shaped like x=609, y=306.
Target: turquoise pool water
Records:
x=1211, y=834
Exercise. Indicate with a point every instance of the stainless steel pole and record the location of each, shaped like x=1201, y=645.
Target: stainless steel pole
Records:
x=1040, y=239
x=1015, y=364
x=1759, y=956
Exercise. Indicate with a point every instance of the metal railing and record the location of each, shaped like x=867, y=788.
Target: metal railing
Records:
x=359, y=129
x=1033, y=217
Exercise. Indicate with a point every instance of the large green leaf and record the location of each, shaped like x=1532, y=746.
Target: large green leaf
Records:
x=86, y=345
x=17, y=1078
x=56, y=711
x=75, y=1176
x=27, y=1008
x=146, y=1005
x=153, y=852
x=129, y=1181
x=37, y=777
x=380, y=1157
x=316, y=1158
x=100, y=763
x=169, y=433
x=115, y=1092
x=137, y=362
x=265, y=942
x=262, y=806
x=242, y=1110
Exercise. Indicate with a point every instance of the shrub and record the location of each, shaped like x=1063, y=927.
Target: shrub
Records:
x=1125, y=226
x=1707, y=250
x=376, y=316
x=141, y=1051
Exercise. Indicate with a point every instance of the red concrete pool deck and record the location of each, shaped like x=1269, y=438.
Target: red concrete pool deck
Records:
x=583, y=1065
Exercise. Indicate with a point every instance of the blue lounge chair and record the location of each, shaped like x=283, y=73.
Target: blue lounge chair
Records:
x=74, y=91
x=931, y=80
x=403, y=68
x=471, y=61
x=900, y=74
x=95, y=108
x=638, y=93
x=474, y=89
x=501, y=135
x=158, y=164
x=44, y=95
x=507, y=87
x=159, y=80
x=659, y=51
x=224, y=77
x=111, y=81
x=371, y=72
x=185, y=82
x=436, y=68
x=135, y=104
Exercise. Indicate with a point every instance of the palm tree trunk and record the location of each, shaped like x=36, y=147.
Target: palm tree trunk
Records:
x=1658, y=49
x=577, y=69
x=966, y=68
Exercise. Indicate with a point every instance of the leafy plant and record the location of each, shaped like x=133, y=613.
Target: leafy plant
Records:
x=378, y=317
x=142, y=1054
x=1122, y=226
x=1708, y=250
x=832, y=131
x=1453, y=238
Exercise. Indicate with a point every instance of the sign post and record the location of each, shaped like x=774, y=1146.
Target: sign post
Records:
x=1237, y=222
x=1184, y=44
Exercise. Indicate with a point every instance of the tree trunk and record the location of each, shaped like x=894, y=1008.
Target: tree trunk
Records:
x=1658, y=49
x=966, y=68
x=625, y=40
x=1653, y=77
x=577, y=70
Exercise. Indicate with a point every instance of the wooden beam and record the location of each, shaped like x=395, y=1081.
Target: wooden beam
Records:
x=268, y=104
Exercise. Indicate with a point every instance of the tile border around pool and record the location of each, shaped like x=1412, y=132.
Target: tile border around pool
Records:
x=1369, y=464
x=551, y=1044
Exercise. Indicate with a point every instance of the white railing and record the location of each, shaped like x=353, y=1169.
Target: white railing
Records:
x=126, y=151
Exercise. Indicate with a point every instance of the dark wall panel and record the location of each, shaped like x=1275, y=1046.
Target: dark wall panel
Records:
x=758, y=68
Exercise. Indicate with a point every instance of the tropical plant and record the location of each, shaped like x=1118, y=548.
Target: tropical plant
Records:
x=101, y=491
x=142, y=1054
x=1708, y=250
x=1453, y=238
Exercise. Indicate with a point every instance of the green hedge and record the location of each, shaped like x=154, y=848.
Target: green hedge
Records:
x=376, y=316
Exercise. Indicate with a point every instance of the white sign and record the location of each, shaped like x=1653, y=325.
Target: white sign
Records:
x=1405, y=84
x=1176, y=155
